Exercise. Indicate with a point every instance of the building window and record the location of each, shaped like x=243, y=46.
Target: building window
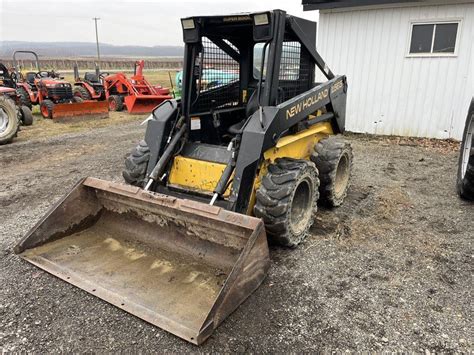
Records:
x=434, y=38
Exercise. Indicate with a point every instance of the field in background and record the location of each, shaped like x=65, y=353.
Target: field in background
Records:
x=155, y=77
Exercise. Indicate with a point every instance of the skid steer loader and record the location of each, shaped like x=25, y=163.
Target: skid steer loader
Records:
x=185, y=242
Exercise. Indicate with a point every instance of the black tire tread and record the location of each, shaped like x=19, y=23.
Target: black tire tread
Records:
x=24, y=97
x=82, y=92
x=119, y=102
x=274, y=197
x=11, y=110
x=326, y=155
x=136, y=165
x=50, y=105
x=26, y=115
x=465, y=185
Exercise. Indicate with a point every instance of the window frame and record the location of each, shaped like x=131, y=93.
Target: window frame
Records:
x=431, y=54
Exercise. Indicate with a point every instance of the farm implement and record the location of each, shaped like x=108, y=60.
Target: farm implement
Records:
x=53, y=94
x=217, y=173
x=135, y=93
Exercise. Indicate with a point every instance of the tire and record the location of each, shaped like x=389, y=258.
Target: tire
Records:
x=24, y=97
x=333, y=158
x=136, y=165
x=26, y=115
x=9, y=123
x=287, y=200
x=465, y=178
x=82, y=92
x=115, y=103
x=77, y=99
x=46, y=108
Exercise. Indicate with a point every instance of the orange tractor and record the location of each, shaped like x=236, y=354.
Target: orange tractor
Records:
x=135, y=93
x=53, y=94
x=91, y=86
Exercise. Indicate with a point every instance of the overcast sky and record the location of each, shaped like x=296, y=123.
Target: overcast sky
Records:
x=124, y=22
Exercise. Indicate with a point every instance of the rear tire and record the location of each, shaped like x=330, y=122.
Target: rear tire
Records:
x=26, y=116
x=465, y=178
x=287, y=200
x=136, y=165
x=333, y=158
x=82, y=92
x=9, y=123
x=24, y=97
x=46, y=108
x=115, y=103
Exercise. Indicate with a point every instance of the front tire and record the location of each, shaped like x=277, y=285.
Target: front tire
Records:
x=136, y=165
x=9, y=123
x=333, y=158
x=465, y=178
x=115, y=103
x=26, y=116
x=287, y=200
x=46, y=108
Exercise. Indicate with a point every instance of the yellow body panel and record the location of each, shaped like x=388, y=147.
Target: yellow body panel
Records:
x=198, y=175
x=297, y=146
x=202, y=176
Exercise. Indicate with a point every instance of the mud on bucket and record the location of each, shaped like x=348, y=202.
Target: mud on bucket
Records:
x=181, y=265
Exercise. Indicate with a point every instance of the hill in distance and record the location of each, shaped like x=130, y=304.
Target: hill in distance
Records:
x=87, y=49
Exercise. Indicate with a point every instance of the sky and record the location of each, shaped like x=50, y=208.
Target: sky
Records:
x=122, y=22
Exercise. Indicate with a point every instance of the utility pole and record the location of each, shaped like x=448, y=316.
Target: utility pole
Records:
x=97, y=37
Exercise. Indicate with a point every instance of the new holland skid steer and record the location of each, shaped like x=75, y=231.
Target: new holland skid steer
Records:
x=219, y=171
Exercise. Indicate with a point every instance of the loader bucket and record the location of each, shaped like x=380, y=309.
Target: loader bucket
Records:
x=181, y=265
x=144, y=103
x=86, y=109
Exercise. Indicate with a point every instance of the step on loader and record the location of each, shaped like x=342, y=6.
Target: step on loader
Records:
x=53, y=94
x=219, y=173
x=135, y=93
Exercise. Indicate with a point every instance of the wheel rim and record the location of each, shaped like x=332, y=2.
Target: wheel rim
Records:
x=112, y=105
x=44, y=111
x=3, y=120
x=466, y=149
x=342, y=176
x=300, y=211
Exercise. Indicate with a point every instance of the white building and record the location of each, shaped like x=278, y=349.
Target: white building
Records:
x=410, y=64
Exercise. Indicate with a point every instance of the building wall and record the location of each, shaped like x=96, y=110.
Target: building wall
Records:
x=390, y=93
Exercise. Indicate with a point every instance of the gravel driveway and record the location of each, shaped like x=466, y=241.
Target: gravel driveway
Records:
x=390, y=270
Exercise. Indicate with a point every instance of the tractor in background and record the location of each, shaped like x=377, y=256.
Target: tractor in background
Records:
x=91, y=87
x=52, y=93
x=135, y=93
x=12, y=112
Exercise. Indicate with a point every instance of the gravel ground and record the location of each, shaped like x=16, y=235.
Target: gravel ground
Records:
x=390, y=270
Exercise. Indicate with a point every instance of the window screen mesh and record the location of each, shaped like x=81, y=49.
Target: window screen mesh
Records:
x=218, y=83
x=294, y=71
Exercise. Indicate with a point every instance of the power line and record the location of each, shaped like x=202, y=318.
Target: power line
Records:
x=97, y=37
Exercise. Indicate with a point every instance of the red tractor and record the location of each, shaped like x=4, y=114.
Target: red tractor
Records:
x=136, y=93
x=12, y=112
x=53, y=94
x=91, y=87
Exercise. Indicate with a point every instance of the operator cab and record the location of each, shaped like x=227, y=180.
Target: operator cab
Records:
x=224, y=82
